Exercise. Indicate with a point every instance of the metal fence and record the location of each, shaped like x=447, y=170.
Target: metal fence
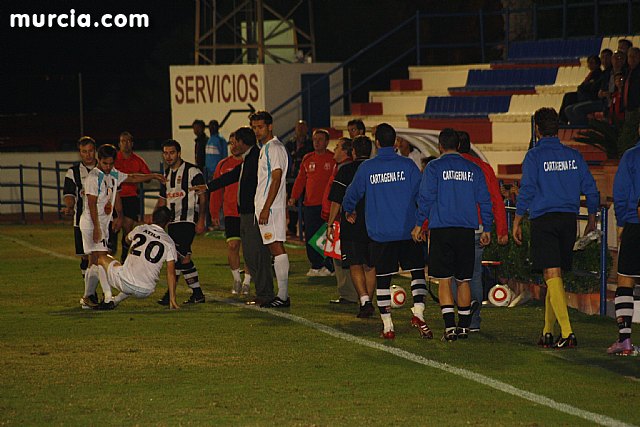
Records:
x=50, y=185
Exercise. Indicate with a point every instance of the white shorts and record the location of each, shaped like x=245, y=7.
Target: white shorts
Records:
x=276, y=229
x=115, y=280
x=89, y=245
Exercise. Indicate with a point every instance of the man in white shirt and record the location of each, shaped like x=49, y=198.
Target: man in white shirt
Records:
x=101, y=191
x=271, y=201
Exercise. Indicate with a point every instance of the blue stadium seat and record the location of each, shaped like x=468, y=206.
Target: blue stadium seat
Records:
x=507, y=79
x=463, y=106
x=553, y=50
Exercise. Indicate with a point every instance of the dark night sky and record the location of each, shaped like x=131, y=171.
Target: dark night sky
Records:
x=126, y=71
x=137, y=60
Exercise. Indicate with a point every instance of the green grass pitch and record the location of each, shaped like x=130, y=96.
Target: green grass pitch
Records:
x=227, y=364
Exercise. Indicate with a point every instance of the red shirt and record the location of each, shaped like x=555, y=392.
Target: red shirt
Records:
x=227, y=197
x=314, y=173
x=134, y=164
x=616, y=109
x=497, y=203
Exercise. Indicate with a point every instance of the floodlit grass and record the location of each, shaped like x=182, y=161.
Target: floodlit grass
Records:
x=227, y=364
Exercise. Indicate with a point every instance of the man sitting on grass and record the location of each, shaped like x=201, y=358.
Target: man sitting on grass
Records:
x=150, y=247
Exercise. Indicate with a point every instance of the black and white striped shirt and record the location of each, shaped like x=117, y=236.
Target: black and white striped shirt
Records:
x=74, y=187
x=182, y=202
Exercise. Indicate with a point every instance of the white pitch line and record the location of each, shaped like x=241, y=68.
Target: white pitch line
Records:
x=464, y=373
x=39, y=249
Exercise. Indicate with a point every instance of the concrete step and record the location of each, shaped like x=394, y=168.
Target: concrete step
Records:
x=366, y=108
x=401, y=103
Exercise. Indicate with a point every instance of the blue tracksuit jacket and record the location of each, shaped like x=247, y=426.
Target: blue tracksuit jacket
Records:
x=451, y=190
x=626, y=187
x=389, y=183
x=553, y=177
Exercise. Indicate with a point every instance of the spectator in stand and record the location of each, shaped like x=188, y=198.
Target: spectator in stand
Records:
x=405, y=149
x=354, y=239
x=227, y=199
x=128, y=162
x=631, y=92
x=356, y=127
x=298, y=146
x=586, y=98
x=608, y=86
x=346, y=290
x=607, y=74
x=314, y=174
x=201, y=143
x=616, y=109
x=500, y=220
x=624, y=45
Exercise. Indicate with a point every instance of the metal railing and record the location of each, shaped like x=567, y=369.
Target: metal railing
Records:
x=21, y=183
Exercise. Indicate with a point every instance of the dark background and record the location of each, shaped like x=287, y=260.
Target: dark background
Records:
x=125, y=72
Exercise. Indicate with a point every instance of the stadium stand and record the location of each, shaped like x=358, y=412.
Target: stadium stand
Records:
x=463, y=106
x=505, y=82
x=552, y=51
x=567, y=80
x=493, y=102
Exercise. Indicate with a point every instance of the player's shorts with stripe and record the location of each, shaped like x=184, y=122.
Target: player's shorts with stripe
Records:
x=77, y=237
x=131, y=207
x=116, y=281
x=386, y=256
x=232, y=227
x=355, y=252
x=552, y=238
x=452, y=252
x=276, y=229
x=629, y=253
x=89, y=245
x=182, y=234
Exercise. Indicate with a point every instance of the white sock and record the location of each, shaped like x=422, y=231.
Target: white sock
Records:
x=120, y=297
x=386, y=321
x=281, y=265
x=247, y=278
x=104, y=284
x=91, y=281
x=418, y=310
x=236, y=275
x=364, y=299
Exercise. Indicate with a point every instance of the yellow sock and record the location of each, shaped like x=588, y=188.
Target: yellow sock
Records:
x=558, y=300
x=549, y=315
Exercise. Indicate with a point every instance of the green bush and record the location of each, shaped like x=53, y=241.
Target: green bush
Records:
x=516, y=264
